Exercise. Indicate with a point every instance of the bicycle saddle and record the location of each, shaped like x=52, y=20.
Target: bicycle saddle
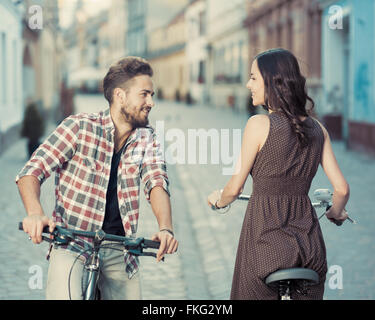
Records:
x=293, y=274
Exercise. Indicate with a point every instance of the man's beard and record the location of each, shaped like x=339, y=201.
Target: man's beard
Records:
x=135, y=121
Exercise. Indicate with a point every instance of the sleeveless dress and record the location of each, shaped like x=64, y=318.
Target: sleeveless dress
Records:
x=281, y=228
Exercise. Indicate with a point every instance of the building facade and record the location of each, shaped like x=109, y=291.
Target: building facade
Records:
x=167, y=56
x=348, y=72
x=143, y=18
x=227, y=45
x=196, y=50
x=117, y=30
x=294, y=25
x=11, y=97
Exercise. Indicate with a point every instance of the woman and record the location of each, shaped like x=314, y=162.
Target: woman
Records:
x=282, y=152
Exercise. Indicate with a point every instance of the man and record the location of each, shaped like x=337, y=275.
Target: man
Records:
x=100, y=160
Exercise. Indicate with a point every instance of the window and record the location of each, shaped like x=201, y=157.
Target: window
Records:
x=4, y=72
x=290, y=35
x=202, y=25
x=228, y=63
x=241, y=49
x=201, y=76
x=15, y=64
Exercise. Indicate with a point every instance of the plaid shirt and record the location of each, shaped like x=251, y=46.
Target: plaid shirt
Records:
x=80, y=151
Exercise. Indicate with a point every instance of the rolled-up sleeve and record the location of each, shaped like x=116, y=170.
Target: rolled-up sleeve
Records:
x=58, y=148
x=154, y=169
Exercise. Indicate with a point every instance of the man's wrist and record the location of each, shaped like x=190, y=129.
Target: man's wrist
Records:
x=167, y=230
x=41, y=214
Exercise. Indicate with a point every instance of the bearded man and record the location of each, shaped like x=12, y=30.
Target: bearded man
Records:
x=100, y=160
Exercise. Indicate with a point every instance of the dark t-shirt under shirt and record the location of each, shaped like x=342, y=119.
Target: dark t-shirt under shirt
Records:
x=112, y=220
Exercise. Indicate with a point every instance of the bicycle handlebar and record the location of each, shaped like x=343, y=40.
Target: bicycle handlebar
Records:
x=322, y=203
x=133, y=245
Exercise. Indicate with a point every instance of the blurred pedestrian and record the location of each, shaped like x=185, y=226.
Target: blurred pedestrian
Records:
x=100, y=160
x=32, y=127
x=282, y=151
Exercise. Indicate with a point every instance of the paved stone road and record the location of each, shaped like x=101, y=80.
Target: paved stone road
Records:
x=203, y=266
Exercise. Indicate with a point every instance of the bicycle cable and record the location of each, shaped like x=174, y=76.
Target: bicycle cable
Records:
x=108, y=246
x=71, y=269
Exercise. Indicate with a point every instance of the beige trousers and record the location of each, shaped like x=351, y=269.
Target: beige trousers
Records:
x=113, y=283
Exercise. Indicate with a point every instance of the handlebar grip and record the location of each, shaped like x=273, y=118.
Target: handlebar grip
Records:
x=45, y=229
x=151, y=244
x=336, y=222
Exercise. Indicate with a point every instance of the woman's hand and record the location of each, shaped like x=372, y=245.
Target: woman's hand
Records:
x=213, y=198
x=335, y=218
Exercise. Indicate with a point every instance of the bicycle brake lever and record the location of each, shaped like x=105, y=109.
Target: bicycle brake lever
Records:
x=48, y=239
x=138, y=253
x=151, y=254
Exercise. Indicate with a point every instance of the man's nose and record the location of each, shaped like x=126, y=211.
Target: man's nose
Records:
x=150, y=101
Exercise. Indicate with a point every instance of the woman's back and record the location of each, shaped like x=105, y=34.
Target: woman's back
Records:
x=281, y=158
x=281, y=229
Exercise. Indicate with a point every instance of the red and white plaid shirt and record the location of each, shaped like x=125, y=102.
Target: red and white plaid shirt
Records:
x=80, y=150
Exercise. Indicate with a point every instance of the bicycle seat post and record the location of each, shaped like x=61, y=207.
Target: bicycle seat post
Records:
x=284, y=290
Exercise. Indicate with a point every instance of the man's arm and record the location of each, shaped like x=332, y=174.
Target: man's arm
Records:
x=155, y=178
x=36, y=220
x=161, y=207
x=58, y=148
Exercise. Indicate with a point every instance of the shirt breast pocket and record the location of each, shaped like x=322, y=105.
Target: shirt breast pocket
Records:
x=92, y=164
x=87, y=174
x=131, y=166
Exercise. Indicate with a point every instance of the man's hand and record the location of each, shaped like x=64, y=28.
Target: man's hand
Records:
x=33, y=225
x=168, y=244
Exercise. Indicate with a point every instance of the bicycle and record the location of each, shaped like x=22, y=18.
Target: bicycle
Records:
x=285, y=281
x=64, y=236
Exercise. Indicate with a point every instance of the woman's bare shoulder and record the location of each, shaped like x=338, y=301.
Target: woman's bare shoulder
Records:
x=258, y=123
x=322, y=126
x=259, y=119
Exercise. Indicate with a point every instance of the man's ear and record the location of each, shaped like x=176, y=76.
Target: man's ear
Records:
x=119, y=94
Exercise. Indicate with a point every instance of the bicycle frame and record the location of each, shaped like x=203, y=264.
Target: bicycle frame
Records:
x=91, y=292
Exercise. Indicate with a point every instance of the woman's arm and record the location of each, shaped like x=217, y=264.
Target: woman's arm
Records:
x=335, y=176
x=255, y=134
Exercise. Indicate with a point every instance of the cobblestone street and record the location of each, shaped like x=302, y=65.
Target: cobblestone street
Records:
x=203, y=266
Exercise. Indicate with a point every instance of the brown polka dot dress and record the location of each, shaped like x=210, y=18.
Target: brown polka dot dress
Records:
x=281, y=228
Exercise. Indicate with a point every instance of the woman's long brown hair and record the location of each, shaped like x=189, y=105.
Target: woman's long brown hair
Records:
x=285, y=89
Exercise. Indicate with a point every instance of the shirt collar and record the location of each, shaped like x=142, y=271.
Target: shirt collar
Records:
x=110, y=127
x=107, y=120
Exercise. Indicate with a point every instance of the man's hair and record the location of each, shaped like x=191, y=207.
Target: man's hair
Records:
x=123, y=71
